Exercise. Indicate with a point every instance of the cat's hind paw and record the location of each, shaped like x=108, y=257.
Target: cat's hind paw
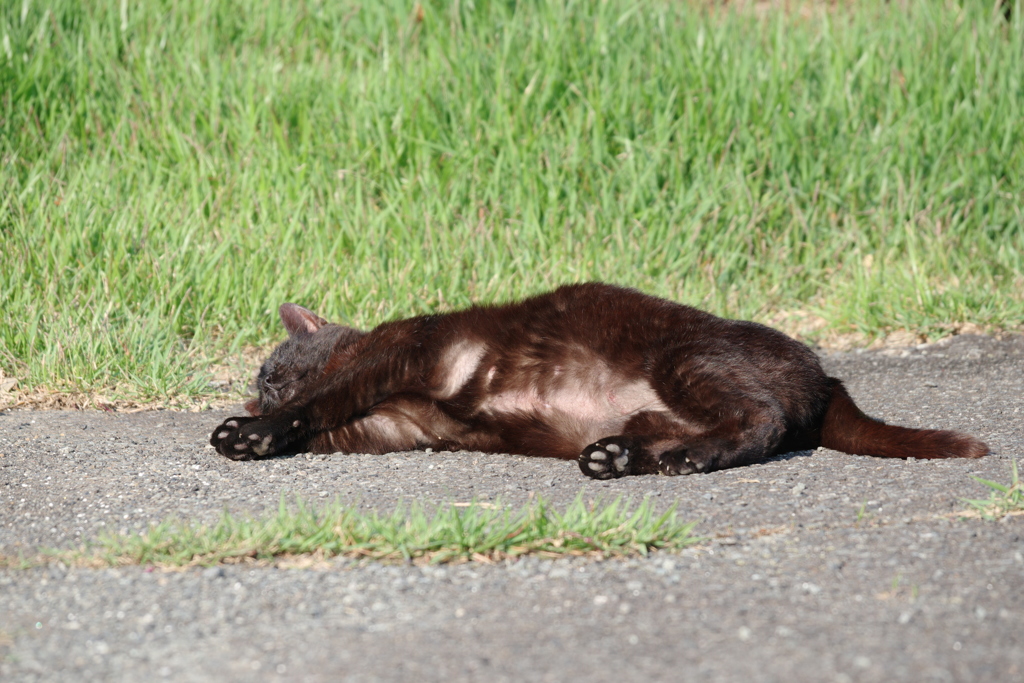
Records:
x=704, y=456
x=675, y=463
x=246, y=438
x=607, y=458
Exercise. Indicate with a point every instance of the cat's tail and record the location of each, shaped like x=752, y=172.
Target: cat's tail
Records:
x=847, y=429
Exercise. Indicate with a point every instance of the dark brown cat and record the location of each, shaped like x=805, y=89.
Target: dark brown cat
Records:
x=623, y=382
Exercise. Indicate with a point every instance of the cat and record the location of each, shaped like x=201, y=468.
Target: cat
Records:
x=622, y=382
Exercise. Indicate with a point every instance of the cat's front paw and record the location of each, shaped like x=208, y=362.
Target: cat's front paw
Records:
x=225, y=437
x=246, y=438
x=608, y=458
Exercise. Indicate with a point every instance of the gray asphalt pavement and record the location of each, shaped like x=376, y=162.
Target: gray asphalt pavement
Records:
x=818, y=566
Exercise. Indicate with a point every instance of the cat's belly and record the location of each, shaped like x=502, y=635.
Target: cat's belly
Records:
x=605, y=408
x=572, y=389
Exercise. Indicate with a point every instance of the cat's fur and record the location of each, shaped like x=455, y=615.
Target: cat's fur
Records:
x=622, y=382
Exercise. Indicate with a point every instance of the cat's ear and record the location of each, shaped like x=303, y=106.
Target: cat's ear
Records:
x=298, y=319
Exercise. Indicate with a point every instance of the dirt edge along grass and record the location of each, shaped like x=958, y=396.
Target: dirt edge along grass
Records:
x=452, y=533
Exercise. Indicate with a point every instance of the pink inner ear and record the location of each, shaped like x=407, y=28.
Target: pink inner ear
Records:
x=299, y=319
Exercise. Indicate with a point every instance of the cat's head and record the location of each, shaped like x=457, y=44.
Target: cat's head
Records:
x=295, y=366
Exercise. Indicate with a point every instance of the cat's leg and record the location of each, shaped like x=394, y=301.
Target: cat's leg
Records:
x=248, y=438
x=738, y=431
x=402, y=423
x=730, y=419
x=636, y=451
x=629, y=454
x=386, y=361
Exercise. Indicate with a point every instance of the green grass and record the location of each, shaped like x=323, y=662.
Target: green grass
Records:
x=1005, y=499
x=453, y=533
x=173, y=170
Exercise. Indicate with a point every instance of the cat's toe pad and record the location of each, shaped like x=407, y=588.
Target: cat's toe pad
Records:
x=605, y=459
x=260, y=446
x=224, y=431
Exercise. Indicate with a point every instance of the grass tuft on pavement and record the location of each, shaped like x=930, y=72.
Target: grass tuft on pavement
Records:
x=475, y=531
x=1004, y=501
